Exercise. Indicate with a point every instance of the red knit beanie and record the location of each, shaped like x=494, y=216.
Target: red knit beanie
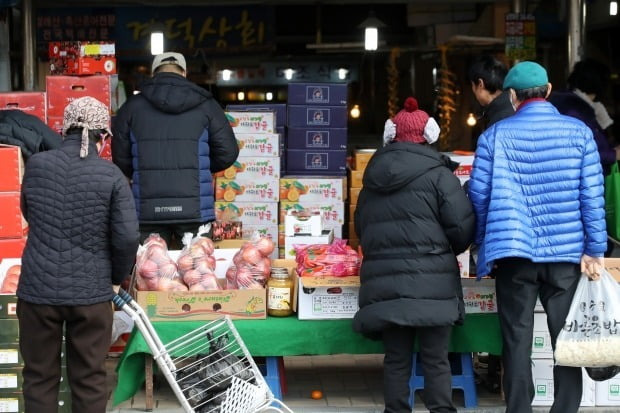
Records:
x=410, y=123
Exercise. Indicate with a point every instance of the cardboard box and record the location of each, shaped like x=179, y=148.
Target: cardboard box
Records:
x=32, y=103
x=361, y=157
x=11, y=168
x=312, y=162
x=352, y=233
x=541, y=341
x=289, y=242
x=61, y=90
x=608, y=392
x=542, y=375
x=354, y=194
x=317, y=138
x=252, y=122
x=352, y=208
x=355, y=178
x=332, y=212
x=278, y=108
x=258, y=144
x=308, y=189
x=479, y=296
x=80, y=48
x=463, y=260
x=305, y=223
x=12, y=223
x=303, y=116
x=253, y=167
x=229, y=244
x=321, y=298
x=317, y=93
x=612, y=265
x=12, y=247
x=84, y=65
x=246, y=190
x=55, y=122
x=10, y=355
x=249, y=213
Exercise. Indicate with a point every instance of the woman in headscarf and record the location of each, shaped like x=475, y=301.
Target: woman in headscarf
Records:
x=82, y=241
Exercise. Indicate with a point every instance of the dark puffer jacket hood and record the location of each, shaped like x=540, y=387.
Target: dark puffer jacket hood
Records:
x=392, y=168
x=171, y=93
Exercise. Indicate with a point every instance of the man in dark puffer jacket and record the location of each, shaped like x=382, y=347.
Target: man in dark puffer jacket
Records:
x=82, y=240
x=168, y=140
x=412, y=218
x=28, y=132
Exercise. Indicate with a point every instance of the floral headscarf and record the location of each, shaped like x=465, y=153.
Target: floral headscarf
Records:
x=89, y=114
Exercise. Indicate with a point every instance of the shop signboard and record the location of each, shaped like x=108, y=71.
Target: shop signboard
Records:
x=520, y=36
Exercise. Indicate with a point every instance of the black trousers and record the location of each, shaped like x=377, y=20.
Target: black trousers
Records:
x=398, y=362
x=88, y=331
x=519, y=282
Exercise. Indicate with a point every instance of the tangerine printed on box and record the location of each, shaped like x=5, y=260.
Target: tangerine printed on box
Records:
x=246, y=190
x=251, y=122
x=258, y=144
x=249, y=213
x=312, y=189
x=253, y=167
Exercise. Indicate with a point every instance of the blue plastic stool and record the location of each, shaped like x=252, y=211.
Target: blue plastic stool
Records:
x=274, y=366
x=462, y=377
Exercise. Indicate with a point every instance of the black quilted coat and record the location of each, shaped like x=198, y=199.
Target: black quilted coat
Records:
x=412, y=218
x=28, y=132
x=83, y=227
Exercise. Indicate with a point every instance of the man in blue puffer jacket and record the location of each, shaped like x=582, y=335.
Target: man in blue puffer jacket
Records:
x=537, y=190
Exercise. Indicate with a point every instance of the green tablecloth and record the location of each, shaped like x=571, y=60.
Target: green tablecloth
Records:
x=290, y=337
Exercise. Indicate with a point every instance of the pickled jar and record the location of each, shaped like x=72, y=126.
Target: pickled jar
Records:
x=279, y=293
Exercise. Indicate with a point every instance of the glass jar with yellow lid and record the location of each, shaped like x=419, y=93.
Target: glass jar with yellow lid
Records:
x=279, y=293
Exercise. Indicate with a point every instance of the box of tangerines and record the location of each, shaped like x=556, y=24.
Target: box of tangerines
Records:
x=312, y=189
x=246, y=189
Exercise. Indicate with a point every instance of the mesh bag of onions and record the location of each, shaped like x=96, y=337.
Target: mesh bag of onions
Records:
x=196, y=263
x=336, y=259
x=251, y=265
x=155, y=270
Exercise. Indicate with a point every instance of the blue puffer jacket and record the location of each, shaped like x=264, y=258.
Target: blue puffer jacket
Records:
x=537, y=189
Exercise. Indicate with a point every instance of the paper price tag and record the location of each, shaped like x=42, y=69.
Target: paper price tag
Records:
x=8, y=356
x=9, y=405
x=8, y=381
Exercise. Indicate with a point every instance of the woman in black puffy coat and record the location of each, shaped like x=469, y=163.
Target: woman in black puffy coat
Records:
x=412, y=218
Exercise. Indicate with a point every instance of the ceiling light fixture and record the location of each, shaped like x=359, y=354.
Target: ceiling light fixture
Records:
x=226, y=75
x=288, y=73
x=371, y=28
x=342, y=73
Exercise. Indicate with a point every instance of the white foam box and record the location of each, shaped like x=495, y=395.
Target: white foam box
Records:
x=306, y=224
x=323, y=298
x=542, y=375
x=608, y=392
x=463, y=260
x=465, y=165
x=541, y=339
x=252, y=122
x=258, y=144
x=326, y=238
x=479, y=295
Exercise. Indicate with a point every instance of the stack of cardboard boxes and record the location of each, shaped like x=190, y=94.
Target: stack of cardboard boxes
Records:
x=361, y=157
x=13, y=226
x=248, y=191
x=82, y=58
x=316, y=141
x=32, y=103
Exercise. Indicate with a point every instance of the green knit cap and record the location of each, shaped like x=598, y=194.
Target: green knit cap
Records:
x=526, y=75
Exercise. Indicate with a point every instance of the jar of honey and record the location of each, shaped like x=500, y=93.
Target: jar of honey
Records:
x=279, y=293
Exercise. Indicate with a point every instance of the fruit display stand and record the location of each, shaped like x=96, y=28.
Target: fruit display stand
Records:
x=480, y=333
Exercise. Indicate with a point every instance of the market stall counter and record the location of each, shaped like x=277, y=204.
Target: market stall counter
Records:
x=289, y=336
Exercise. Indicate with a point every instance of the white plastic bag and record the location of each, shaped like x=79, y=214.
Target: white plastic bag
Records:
x=591, y=333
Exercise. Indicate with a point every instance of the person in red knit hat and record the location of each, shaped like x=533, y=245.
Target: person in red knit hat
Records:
x=412, y=218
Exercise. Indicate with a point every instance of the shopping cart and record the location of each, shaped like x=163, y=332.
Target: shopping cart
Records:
x=209, y=369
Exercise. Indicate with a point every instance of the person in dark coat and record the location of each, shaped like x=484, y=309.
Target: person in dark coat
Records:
x=412, y=218
x=486, y=75
x=81, y=243
x=168, y=140
x=28, y=132
x=586, y=84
